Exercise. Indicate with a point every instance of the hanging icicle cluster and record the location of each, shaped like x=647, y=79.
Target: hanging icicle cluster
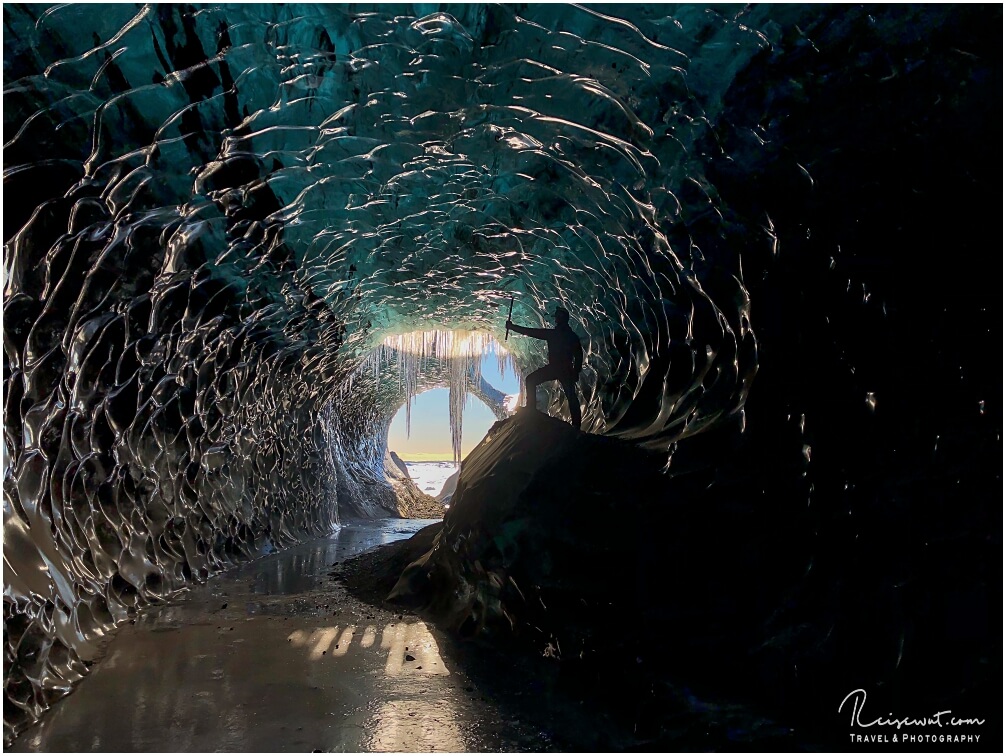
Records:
x=461, y=352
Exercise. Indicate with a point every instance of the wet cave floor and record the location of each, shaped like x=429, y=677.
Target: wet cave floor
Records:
x=277, y=655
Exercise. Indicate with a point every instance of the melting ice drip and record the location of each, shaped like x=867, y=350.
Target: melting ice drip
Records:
x=461, y=350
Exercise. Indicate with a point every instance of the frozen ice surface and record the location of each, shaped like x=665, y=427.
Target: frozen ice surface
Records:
x=239, y=238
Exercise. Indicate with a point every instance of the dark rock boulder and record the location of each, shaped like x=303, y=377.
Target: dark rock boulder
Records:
x=571, y=533
x=582, y=548
x=409, y=500
x=448, y=489
x=399, y=463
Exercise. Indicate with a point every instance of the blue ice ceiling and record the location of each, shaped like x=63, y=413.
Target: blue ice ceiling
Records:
x=757, y=216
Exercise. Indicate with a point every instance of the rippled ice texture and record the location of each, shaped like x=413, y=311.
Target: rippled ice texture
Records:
x=213, y=215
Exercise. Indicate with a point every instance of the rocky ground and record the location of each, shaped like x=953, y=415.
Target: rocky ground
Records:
x=554, y=611
x=604, y=703
x=411, y=502
x=637, y=611
x=414, y=504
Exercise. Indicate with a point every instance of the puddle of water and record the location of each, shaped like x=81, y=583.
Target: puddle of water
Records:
x=304, y=567
x=275, y=656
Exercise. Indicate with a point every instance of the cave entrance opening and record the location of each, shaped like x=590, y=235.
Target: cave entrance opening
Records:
x=426, y=450
x=429, y=438
x=409, y=394
x=405, y=365
x=425, y=444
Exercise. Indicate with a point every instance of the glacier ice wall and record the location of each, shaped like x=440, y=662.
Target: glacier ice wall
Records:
x=214, y=214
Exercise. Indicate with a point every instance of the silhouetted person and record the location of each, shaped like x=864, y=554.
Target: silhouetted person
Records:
x=565, y=359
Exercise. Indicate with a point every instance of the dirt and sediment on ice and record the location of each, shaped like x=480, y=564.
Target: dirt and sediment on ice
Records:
x=697, y=606
x=559, y=571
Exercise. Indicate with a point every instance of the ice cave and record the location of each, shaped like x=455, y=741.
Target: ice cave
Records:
x=239, y=238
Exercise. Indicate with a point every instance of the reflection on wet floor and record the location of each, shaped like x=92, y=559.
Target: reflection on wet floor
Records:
x=402, y=726
x=275, y=656
x=303, y=568
x=411, y=647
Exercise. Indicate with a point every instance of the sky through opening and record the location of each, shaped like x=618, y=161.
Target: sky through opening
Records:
x=430, y=440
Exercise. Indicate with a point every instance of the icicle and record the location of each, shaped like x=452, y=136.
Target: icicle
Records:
x=406, y=354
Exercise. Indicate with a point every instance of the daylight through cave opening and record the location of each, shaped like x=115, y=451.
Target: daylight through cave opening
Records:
x=430, y=358
x=217, y=217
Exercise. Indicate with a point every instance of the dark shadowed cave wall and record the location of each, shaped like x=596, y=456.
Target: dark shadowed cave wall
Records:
x=775, y=226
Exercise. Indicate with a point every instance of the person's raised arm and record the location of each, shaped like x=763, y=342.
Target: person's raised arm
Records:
x=535, y=333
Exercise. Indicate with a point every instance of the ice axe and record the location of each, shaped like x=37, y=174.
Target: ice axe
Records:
x=507, y=337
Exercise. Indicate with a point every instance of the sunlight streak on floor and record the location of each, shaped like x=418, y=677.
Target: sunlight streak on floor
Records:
x=411, y=647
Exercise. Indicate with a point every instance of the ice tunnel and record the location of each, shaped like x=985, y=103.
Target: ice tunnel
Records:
x=769, y=223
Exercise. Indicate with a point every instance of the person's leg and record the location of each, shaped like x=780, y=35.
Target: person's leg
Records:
x=573, y=401
x=531, y=387
x=542, y=374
